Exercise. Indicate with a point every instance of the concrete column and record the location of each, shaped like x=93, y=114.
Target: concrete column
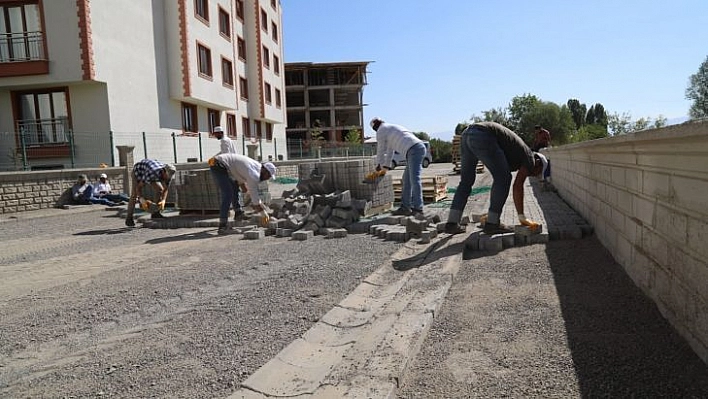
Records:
x=125, y=158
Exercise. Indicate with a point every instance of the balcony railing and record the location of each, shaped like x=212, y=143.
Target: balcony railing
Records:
x=22, y=47
x=43, y=131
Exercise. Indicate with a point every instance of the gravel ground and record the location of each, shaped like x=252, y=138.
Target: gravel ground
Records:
x=560, y=320
x=89, y=308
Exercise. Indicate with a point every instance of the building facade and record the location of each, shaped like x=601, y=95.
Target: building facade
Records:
x=80, y=77
x=324, y=99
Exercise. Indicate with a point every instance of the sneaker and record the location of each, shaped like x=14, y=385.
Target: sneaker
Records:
x=130, y=222
x=402, y=212
x=454, y=228
x=496, y=228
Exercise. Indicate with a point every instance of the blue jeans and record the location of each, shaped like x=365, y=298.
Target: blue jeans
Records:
x=480, y=145
x=412, y=190
x=229, y=192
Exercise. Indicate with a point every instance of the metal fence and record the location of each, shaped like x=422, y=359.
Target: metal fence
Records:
x=43, y=146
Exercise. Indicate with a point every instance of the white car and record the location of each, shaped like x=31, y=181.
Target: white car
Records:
x=400, y=159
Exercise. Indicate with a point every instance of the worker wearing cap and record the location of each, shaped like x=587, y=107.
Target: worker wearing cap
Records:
x=227, y=145
x=158, y=175
x=502, y=151
x=247, y=172
x=390, y=138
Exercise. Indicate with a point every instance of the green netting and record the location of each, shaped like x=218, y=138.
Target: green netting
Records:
x=285, y=180
x=474, y=191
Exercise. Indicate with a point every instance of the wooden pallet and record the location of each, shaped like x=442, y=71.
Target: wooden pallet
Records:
x=434, y=188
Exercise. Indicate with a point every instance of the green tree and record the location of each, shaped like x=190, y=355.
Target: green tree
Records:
x=353, y=136
x=460, y=128
x=422, y=135
x=519, y=106
x=441, y=150
x=556, y=119
x=619, y=124
x=660, y=121
x=578, y=111
x=697, y=92
x=596, y=115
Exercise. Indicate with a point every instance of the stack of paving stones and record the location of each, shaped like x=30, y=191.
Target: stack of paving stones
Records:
x=199, y=193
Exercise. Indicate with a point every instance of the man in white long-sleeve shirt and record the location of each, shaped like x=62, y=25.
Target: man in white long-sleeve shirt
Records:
x=227, y=145
x=390, y=138
x=246, y=172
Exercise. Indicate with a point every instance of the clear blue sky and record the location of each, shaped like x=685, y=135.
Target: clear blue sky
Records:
x=436, y=63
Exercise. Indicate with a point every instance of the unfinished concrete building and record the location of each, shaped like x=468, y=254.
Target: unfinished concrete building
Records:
x=325, y=99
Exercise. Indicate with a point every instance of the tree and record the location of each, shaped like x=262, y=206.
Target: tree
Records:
x=619, y=124
x=557, y=120
x=519, y=106
x=697, y=92
x=460, y=128
x=441, y=150
x=596, y=115
x=422, y=135
x=578, y=111
x=353, y=136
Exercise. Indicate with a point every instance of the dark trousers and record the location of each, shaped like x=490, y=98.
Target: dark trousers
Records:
x=229, y=191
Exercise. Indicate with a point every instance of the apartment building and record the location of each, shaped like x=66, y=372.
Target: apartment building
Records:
x=324, y=97
x=78, y=74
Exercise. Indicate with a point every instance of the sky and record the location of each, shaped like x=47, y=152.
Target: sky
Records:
x=437, y=63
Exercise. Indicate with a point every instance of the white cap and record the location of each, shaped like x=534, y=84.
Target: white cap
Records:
x=171, y=170
x=103, y=176
x=218, y=129
x=270, y=168
x=374, y=121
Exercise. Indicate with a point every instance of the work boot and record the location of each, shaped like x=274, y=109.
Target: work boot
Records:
x=130, y=222
x=402, y=212
x=157, y=215
x=496, y=228
x=454, y=228
x=223, y=229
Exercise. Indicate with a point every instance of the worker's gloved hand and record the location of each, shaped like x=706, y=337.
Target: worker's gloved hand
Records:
x=161, y=205
x=383, y=171
x=212, y=161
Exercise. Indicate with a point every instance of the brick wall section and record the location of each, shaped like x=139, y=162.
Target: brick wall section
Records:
x=646, y=194
x=28, y=191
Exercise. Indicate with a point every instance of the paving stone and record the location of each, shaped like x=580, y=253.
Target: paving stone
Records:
x=303, y=235
x=254, y=234
x=283, y=232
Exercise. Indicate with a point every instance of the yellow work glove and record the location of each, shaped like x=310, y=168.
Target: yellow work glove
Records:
x=145, y=204
x=212, y=161
x=161, y=205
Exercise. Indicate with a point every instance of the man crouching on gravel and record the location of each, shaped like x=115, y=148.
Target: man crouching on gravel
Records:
x=158, y=175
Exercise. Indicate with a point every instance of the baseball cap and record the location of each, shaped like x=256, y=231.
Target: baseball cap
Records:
x=171, y=170
x=103, y=176
x=218, y=129
x=375, y=121
x=270, y=168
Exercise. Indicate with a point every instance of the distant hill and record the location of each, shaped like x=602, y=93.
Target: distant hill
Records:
x=676, y=121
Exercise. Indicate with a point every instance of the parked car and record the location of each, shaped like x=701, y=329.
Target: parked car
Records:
x=400, y=159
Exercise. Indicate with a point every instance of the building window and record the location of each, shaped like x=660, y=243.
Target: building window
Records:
x=239, y=9
x=266, y=57
x=278, y=101
x=43, y=116
x=243, y=83
x=274, y=32
x=189, y=118
x=231, y=125
x=204, y=60
x=264, y=20
x=259, y=129
x=214, y=118
x=227, y=72
x=241, y=44
x=246, y=127
x=21, y=36
x=276, y=64
x=224, y=23
x=273, y=4
x=269, y=131
x=268, y=95
x=201, y=8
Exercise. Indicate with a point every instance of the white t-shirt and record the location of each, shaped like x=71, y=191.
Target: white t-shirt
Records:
x=101, y=188
x=390, y=138
x=227, y=145
x=244, y=170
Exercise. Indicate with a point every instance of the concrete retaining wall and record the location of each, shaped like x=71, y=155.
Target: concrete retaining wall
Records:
x=646, y=194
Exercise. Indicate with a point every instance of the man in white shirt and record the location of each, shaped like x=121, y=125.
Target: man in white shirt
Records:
x=390, y=138
x=227, y=145
x=247, y=173
x=102, y=189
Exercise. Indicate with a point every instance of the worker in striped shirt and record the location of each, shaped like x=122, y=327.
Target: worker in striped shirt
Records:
x=158, y=175
x=390, y=138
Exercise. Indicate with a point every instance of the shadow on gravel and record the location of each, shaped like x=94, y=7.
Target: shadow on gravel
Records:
x=620, y=344
x=202, y=235
x=431, y=254
x=101, y=232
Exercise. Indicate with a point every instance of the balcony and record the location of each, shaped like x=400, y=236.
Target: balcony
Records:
x=23, y=54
